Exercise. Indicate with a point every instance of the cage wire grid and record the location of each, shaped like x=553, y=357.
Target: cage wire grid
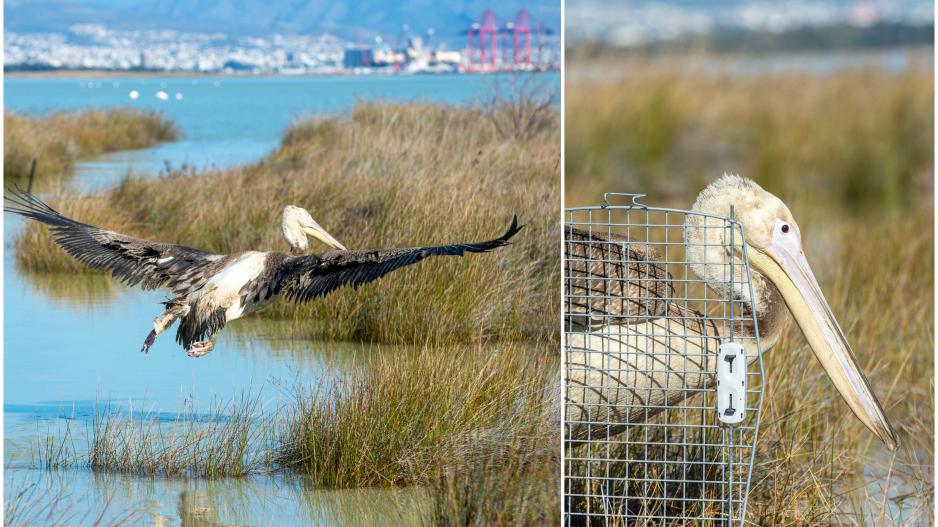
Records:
x=643, y=444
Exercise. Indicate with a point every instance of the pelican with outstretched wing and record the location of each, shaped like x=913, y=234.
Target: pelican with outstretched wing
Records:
x=632, y=352
x=210, y=290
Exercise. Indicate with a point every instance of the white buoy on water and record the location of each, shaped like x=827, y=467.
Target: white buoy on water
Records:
x=134, y=94
x=162, y=95
x=178, y=96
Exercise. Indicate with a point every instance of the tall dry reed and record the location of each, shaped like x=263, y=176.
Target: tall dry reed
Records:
x=58, y=140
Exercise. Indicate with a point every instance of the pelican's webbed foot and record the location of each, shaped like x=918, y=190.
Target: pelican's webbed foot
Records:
x=160, y=324
x=151, y=338
x=201, y=348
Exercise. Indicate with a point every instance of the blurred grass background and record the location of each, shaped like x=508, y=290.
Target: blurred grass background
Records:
x=848, y=140
x=851, y=152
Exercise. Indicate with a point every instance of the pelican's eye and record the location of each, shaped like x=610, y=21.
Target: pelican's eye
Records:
x=785, y=228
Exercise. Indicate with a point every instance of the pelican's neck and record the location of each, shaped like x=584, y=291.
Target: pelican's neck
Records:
x=723, y=270
x=294, y=236
x=771, y=312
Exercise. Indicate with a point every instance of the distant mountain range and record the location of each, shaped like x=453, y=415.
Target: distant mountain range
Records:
x=347, y=19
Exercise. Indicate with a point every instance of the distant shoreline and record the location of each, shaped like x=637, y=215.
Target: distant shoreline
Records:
x=105, y=74
x=74, y=74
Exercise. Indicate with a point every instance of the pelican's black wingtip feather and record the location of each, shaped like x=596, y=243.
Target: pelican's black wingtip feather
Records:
x=513, y=229
x=19, y=201
x=12, y=199
x=501, y=241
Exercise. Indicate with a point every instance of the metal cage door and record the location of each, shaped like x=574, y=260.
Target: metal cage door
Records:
x=662, y=368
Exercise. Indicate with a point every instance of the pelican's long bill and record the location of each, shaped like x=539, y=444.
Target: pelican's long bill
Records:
x=316, y=231
x=784, y=263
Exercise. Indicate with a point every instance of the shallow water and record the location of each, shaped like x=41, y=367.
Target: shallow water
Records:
x=80, y=496
x=892, y=490
x=72, y=343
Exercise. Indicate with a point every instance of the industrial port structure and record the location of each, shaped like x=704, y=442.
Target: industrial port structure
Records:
x=493, y=45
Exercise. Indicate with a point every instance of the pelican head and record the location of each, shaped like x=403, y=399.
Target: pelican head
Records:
x=297, y=224
x=774, y=250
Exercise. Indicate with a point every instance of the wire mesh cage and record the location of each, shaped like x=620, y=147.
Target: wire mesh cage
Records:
x=662, y=367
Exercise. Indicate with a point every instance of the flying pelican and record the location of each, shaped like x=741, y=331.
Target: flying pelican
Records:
x=626, y=361
x=211, y=290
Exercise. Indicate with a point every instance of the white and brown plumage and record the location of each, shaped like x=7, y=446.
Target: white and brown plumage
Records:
x=631, y=358
x=209, y=290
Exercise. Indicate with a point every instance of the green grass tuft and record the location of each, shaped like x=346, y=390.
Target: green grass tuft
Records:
x=226, y=442
x=401, y=419
x=516, y=486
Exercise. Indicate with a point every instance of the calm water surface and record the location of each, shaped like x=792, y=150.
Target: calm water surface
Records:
x=71, y=343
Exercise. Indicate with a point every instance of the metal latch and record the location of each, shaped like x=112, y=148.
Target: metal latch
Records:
x=731, y=383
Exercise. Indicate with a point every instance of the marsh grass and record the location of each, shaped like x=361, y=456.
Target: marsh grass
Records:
x=385, y=175
x=517, y=486
x=816, y=463
x=855, y=167
x=55, y=451
x=402, y=419
x=437, y=414
x=475, y=425
x=520, y=105
x=227, y=441
x=663, y=475
x=58, y=140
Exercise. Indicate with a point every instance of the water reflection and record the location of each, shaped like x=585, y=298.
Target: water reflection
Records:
x=75, y=291
x=275, y=500
x=891, y=491
x=252, y=336
x=283, y=339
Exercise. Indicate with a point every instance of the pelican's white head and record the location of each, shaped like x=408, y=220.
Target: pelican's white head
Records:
x=297, y=224
x=709, y=240
x=773, y=248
